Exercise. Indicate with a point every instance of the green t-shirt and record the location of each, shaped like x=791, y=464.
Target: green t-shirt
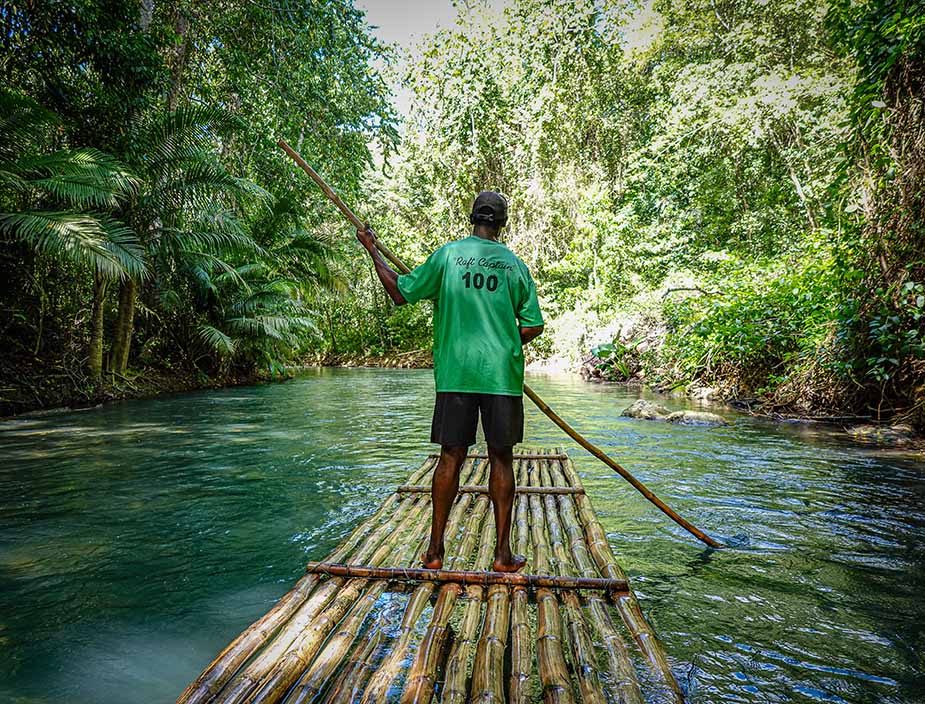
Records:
x=484, y=294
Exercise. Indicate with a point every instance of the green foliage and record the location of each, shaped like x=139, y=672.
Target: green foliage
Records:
x=138, y=144
x=620, y=360
x=754, y=330
x=57, y=202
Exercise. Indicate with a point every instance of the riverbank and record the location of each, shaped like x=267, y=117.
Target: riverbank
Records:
x=33, y=390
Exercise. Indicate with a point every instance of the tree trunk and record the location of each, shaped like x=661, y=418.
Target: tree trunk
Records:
x=95, y=357
x=178, y=64
x=124, y=326
x=146, y=14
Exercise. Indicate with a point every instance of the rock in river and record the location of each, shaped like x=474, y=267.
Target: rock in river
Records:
x=696, y=418
x=646, y=410
x=899, y=434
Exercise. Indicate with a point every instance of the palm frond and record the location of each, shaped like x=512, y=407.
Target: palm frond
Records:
x=106, y=245
x=82, y=178
x=217, y=230
x=21, y=121
x=217, y=341
x=195, y=261
x=277, y=327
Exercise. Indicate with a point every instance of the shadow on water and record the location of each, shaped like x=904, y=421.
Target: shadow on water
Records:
x=139, y=538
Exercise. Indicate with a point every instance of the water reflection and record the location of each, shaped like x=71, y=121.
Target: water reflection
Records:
x=139, y=538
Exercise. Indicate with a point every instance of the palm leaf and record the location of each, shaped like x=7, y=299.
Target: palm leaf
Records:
x=217, y=341
x=106, y=245
x=21, y=121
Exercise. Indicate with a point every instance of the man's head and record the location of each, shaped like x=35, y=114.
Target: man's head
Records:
x=489, y=211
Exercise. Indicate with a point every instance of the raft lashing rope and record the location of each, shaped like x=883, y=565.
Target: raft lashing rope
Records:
x=366, y=624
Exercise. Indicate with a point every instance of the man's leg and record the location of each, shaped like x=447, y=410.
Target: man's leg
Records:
x=443, y=493
x=501, y=490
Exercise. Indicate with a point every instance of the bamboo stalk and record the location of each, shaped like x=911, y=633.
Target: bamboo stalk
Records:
x=419, y=688
x=530, y=393
x=359, y=667
x=625, y=685
x=329, y=192
x=352, y=682
x=507, y=606
x=303, y=648
x=458, y=555
x=307, y=643
x=626, y=602
x=226, y=663
x=339, y=645
x=603, y=457
x=488, y=669
x=454, y=687
x=583, y=654
x=484, y=578
x=557, y=686
x=482, y=489
x=312, y=612
x=336, y=648
x=521, y=640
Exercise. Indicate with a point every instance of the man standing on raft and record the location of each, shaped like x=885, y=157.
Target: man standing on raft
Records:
x=486, y=311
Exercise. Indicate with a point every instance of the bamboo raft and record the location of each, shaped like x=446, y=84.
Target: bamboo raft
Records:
x=366, y=625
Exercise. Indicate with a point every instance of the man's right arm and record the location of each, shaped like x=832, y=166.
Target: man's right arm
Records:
x=387, y=275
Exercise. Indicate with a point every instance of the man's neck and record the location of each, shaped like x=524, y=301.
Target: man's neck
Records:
x=485, y=234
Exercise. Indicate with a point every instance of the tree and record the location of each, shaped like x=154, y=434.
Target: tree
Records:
x=61, y=204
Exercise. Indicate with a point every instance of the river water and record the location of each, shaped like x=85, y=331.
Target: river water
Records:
x=137, y=539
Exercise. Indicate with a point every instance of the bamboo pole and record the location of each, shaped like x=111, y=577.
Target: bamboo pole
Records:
x=454, y=686
x=603, y=457
x=488, y=668
x=226, y=663
x=482, y=489
x=516, y=456
x=625, y=687
x=484, y=578
x=354, y=681
x=419, y=688
x=347, y=213
x=626, y=602
x=312, y=613
x=374, y=549
x=290, y=665
x=339, y=644
x=521, y=636
x=530, y=393
x=458, y=555
x=583, y=654
x=359, y=667
x=404, y=547
x=557, y=686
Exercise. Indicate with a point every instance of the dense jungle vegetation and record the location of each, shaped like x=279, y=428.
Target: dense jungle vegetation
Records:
x=723, y=193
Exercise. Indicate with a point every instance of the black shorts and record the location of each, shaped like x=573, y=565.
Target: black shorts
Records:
x=456, y=417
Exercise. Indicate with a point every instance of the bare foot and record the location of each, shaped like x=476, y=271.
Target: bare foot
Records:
x=515, y=564
x=431, y=562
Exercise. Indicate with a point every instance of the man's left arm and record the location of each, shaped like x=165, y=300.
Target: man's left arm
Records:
x=530, y=333
x=528, y=312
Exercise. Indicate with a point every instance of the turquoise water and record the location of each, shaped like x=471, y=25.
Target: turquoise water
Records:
x=137, y=539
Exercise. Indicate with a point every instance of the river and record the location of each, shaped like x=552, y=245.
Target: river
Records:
x=137, y=539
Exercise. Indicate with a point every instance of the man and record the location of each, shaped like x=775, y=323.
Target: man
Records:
x=486, y=310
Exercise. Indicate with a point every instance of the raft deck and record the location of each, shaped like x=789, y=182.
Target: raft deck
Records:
x=573, y=634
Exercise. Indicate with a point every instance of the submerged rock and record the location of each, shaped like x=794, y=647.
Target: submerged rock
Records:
x=646, y=410
x=696, y=418
x=900, y=434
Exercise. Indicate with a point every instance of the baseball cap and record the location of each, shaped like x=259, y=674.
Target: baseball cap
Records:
x=489, y=207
